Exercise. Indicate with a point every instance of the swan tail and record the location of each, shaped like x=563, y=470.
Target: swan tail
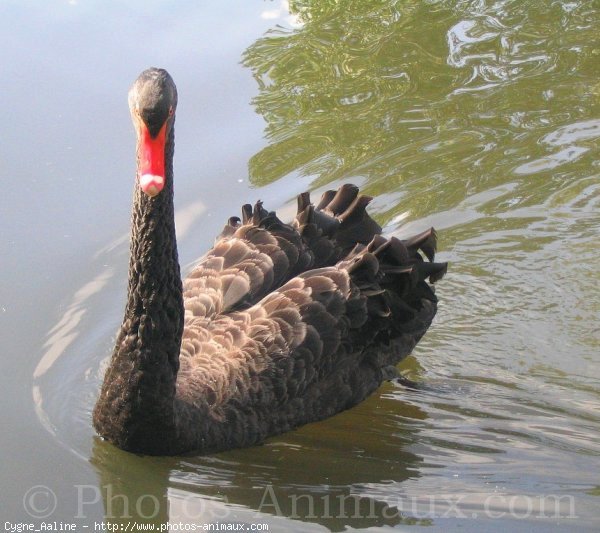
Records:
x=397, y=281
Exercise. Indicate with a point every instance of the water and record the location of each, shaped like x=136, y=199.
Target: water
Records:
x=480, y=118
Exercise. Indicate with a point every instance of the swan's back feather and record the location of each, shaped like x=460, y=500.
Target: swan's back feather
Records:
x=258, y=253
x=316, y=345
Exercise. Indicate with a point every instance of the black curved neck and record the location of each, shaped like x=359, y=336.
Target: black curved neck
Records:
x=137, y=397
x=154, y=312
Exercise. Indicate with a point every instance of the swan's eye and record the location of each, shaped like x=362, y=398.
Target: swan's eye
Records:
x=171, y=111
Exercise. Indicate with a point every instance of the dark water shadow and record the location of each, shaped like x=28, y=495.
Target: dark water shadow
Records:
x=316, y=475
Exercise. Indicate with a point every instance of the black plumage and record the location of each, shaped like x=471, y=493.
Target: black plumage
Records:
x=277, y=326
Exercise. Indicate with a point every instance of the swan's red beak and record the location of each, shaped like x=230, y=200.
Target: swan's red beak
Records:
x=152, y=160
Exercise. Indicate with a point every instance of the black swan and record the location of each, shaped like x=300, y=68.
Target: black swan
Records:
x=277, y=326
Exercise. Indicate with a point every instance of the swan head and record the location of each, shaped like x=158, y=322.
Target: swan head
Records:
x=152, y=103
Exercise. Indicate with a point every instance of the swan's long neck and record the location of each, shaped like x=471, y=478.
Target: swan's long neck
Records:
x=137, y=398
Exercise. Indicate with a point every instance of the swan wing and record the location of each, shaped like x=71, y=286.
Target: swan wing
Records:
x=317, y=345
x=258, y=253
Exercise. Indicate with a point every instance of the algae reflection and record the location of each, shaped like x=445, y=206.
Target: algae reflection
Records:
x=431, y=101
x=344, y=88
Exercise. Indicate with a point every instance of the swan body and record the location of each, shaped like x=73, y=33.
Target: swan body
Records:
x=277, y=326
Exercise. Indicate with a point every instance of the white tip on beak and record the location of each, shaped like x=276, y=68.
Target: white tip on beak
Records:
x=151, y=184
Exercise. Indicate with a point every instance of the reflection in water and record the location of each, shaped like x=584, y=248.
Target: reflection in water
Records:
x=314, y=475
x=428, y=101
x=132, y=488
x=63, y=334
x=332, y=91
